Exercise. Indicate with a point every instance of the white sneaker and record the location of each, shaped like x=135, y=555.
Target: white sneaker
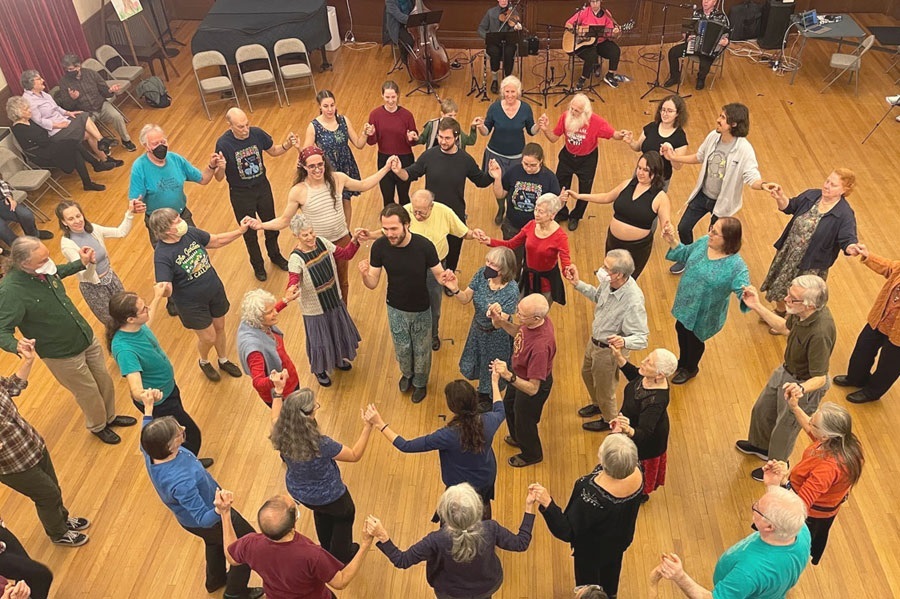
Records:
x=894, y=100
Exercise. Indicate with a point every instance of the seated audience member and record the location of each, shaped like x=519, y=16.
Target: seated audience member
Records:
x=766, y=563
x=464, y=445
x=25, y=464
x=313, y=478
x=600, y=518
x=261, y=344
x=16, y=564
x=189, y=491
x=290, y=565
x=460, y=559
x=13, y=212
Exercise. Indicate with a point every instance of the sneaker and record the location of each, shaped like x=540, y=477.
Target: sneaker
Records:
x=206, y=462
x=405, y=383
x=231, y=368
x=345, y=366
x=744, y=446
x=280, y=262
x=323, y=379
x=91, y=186
x=588, y=411
x=105, y=144
x=893, y=100
x=45, y=235
x=72, y=539
x=129, y=145
x=122, y=421
x=209, y=371
x=435, y=343
x=580, y=85
x=108, y=436
x=419, y=394
x=596, y=426
x=260, y=274
x=573, y=223
x=78, y=524
x=683, y=375
x=672, y=80
x=610, y=80
x=757, y=475
x=677, y=268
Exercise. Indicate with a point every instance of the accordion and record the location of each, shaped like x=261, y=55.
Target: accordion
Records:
x=703, y=37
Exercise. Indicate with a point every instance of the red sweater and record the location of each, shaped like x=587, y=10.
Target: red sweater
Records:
x=540, y=254
x=390, y=130
x=260, y=375
x=819, y=481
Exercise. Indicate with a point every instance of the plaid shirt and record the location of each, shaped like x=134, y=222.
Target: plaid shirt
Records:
x=5, y=190
x=21, y=447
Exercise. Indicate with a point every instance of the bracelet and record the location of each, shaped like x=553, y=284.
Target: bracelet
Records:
x=455, y=292
x=513, y=378
x=384, y=427
x=212, y=167
x=276, y=394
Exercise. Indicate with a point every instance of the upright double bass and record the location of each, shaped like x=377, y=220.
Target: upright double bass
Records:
x=428, y=60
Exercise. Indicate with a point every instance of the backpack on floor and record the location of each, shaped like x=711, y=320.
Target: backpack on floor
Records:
x=153, y=91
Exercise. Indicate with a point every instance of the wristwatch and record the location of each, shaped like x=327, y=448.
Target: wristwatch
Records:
x=513, y=378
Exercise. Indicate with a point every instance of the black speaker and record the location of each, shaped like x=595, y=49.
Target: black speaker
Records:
x=775, y=21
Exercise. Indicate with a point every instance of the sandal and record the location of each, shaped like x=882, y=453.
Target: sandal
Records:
x=517, y=462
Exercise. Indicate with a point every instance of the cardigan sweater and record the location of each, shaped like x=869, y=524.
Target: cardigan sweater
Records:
x=835, y=231
x=890, y=270
x=741, y=169
x=70, y=248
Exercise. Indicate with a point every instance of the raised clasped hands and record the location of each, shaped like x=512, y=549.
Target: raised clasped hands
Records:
x=628, y=137
x=25, y=348
x=223, y=501
x=369, y=129
x=449, y=280
x=478, y=121
x=291, y=293
x=792, y=394
x=87, y=255
x=375, y=529
x=494, y=169
x=372, y=416
x=571, y=274
x=251, y=223
x=279, y=379
x=150, y=396
x=750, y=296
x=541, y=495
x=137, y=206
x=774, y=472
x=858, y=249
x=412, y=136
x=17, y=590
x=543, y=122
x=394, y=164
x=668, y=233
x=481, y=237
x=494, y=311
x=499, y=367
x=360, y=235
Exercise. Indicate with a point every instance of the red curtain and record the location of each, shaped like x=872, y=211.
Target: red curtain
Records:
x=35, y=34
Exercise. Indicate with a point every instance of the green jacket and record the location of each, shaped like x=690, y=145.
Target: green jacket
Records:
x=428, y=137
x=42, y=311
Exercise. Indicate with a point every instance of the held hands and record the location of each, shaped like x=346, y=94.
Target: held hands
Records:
x=666, y=151
x=543, y=122
x=565, y=195
x=616, y=341
x=279, y=380
x=449, y=280
x=571, y=274
x=292, y=139
x=792, y=394
x=412, y=136
x=368, y=129
x=774, y=472
x=620, y=424
x=499, y=367
x=167, y=288
x=494, y=312
x=159, y=290
x=858, y=249
x=25, y=348
x=541, y=495
x=615, y=349
x=375, y=528
x=19, y=590
x=494, y=169
x=149, y=397
x=481, y=237
x=373, y=417
x=394, y=164
x=750, y=296
x=478, y=121
x=291, y=293
x=668, y=233
x=137, y=206
x=628, y=137
x=87, y=255
x=251, y=223
x=223, y=501
x=360, y=235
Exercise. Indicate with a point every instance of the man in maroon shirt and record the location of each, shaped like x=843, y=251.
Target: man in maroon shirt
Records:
x=291, y=565
x=531, y=377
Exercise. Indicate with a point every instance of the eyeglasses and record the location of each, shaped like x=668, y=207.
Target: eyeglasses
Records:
x=792, y=300
x=668, y=110
x=144, y=310
x=755, y=508
x=523, y=316
x=316, y=166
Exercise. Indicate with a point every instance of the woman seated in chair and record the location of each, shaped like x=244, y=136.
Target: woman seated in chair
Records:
x=64, y=154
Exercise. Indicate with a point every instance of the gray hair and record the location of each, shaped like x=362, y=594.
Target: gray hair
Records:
x=160, y=221
x=142, y=137
x=505, y=259
x=299, y=223
x=538, y=302
x=27, y=79
x=70, y=60
x=618, y=455
x=514, y=81
x=551, y=201
x=461, y=509
x=622, y=262
x=815, y=292
x=15, y=108
x=21, y=250
x=255, y=304
x=665, y=362
x=786, y=512
x=425, y=193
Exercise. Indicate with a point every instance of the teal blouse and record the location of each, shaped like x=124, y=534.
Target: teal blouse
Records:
x=701, y=302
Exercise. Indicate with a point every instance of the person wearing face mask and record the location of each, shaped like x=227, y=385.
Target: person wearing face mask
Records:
x=34, y=300
x=811, y=336
x=620, y=324
x=181, y=261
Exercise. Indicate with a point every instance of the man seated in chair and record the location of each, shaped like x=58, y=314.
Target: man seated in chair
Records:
x=396, y=13
x=594, y=15
x=87, y=91
x=707, y=12
x=14, y=212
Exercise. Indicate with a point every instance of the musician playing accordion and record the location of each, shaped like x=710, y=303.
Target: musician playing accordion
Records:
x=594, y=15
x=492, y=23
x=708, y=12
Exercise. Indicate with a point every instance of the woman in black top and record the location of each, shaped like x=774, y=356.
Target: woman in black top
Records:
x=637, y=203
x=600, y=518
x=643, y=417
x=667, y=127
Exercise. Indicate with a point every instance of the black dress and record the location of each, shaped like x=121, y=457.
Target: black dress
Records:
x=34, y=141
x=646, y=411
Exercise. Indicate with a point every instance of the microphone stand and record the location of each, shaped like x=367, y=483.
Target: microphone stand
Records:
x=655, y=84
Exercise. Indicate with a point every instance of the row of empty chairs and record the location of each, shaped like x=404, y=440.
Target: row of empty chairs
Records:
x=223, y=85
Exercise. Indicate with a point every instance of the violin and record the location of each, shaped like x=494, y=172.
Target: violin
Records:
x=428, y=60
x=511, y=17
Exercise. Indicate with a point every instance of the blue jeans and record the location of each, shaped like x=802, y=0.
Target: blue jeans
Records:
x=698, y=207
x=412, y=343
x=22, y=215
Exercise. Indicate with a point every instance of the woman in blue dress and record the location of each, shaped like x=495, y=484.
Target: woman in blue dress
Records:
x=493, y=284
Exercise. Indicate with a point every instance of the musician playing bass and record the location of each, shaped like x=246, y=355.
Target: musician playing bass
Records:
x=708, y=12
x=396, y=13
x=499, y=18
x=594, y=15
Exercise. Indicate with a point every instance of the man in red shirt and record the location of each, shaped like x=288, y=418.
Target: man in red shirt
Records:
x=291, y=565
x=531, y=377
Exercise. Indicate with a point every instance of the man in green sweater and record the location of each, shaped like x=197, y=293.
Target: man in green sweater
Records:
x=33, y=299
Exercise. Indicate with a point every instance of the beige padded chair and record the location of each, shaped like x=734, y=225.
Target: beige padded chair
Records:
x=848, y=62
x=299, y=70
x=22, y=177
x=213, y=85
x=255, y=77
x=124, y=84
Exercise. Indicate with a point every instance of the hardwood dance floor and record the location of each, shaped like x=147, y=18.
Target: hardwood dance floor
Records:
x=137, y=549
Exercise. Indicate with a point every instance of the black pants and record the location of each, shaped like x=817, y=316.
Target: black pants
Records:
x=640, y=250
x=15, y=564
x=39, y=483
x=523, y=413
x=818, y=530
x=675, y=54
x=391, y=182
x=583, y=167
x=690, y=348
x=698, y=207
x=608, y=49
x=334, y=526
x=600, y=570
x=257, y=201
x=236, y=577
x=507, y=53
x=81, y=157
x=172, y=406
x=22, y=215
x=508, y=230
x=859, y=373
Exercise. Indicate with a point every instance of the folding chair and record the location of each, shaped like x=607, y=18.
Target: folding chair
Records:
x=848, y=62
x=213, y=85
x=255, y=77
x=124, y=84
x=106, y=54
x=33, y=163
x=297, y=70
x=715, y=69
x=19, y=175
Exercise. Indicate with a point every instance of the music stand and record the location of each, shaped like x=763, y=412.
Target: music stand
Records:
x=548, y=82
x=423, y=20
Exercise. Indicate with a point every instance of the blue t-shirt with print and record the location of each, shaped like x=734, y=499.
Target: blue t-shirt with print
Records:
x=316, y=481
x=244, y=166
x=162, y=186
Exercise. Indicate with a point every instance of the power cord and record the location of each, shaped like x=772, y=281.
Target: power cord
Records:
x=349, y=38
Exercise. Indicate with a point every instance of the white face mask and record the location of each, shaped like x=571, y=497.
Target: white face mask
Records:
x=47, y=268
x=181, y=228
x=603, y=276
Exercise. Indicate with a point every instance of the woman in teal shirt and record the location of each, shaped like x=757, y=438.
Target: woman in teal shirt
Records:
x=714, y=270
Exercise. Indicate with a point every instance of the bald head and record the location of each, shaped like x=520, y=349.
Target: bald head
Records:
x=277, y=517
x=533, y=310
x=238, y=122
x=422, y=201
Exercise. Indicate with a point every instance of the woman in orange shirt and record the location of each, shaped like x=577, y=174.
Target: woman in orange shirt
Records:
x=830, y=467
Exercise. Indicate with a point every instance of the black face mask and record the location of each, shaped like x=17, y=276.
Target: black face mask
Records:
x=160, y=151
x=489, y=273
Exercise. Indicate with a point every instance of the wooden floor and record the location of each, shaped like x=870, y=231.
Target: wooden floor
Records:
x=137, y=549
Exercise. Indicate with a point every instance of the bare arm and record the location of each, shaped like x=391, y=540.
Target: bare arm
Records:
x=601, y=198
x=370, y=275
x=682, y=151
x=222, y=239
x=310, y=138
x=343, y=577
x=356, y=139
x=636, y=144
x=367, y=183
x=355, y=453
x=279, y=149
x=550, y=135
x=296, y=199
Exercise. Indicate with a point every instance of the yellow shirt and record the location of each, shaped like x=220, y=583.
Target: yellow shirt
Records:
x=441, y=222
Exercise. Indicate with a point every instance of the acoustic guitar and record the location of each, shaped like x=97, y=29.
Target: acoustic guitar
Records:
x=573, y=41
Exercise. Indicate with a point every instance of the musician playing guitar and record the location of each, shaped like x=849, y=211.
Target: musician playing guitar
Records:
x=709, y=12
x=594, y=15
x=499, y=18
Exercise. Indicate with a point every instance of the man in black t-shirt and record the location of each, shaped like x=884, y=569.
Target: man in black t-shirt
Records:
x=181, y=261
x=407, y=258
x=241, y=149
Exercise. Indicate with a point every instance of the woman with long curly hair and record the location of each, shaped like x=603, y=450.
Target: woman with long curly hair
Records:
x=830, y=467
x=313, y=478
x=464, y=445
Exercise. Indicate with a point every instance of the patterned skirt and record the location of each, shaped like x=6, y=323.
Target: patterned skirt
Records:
x=331, y=338
x=654, y=473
